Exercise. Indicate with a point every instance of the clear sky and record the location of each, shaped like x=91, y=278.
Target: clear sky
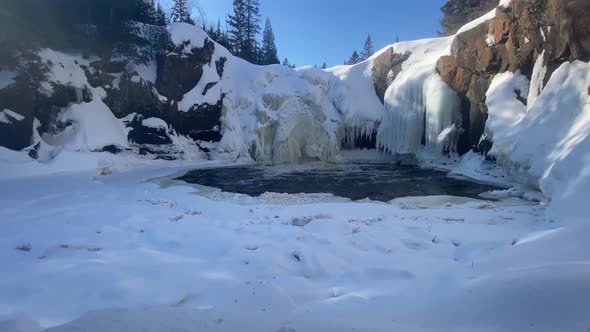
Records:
x=310, y=32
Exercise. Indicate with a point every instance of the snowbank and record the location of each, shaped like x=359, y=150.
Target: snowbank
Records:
x=187, y=34
x=8, y=116
x=93, y=126
x=550, y=142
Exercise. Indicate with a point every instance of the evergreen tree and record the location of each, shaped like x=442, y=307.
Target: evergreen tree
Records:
x=269, y=48
x=368, y=50
x=457, y=13
x=252, y=29
x=397, y=38
x=180, y=12
x=244, y=27
x=286, y=62
x=218, y=31
x=237, y=24
x=324, y=66
x=354, y=58
x=160, y=16
x=220, y=36
x=146, y=11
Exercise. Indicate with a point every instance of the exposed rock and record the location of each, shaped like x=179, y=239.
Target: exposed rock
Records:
x=140, y=134
x=179, y=72
x=18, y=98
x=110, y=149
x=386, y=67
x=559, y=29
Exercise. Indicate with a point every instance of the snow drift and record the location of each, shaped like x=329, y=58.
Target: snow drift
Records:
x=548, y=143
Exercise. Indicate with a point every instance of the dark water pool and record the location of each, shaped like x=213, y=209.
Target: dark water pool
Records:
x=377, y=182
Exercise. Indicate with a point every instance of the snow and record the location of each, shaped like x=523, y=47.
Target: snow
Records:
x=549, y=145
x=155, y=123
x=276, y=114
x=147, y=72
x=182, y=33
x=473, y=24
x=6, y=78
x=8, y=116
x=64, y=69
x=174, y=260
x=93, y=127
x=505, y=110
x=111, y=231
x=490, y=40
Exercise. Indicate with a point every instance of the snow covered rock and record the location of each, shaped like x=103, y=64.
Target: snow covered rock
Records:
x=147, y=131
x=519, y=45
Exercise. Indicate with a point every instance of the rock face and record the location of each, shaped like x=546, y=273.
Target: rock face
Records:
x=186, y=88
x=125, y=91
x=558, y=30
x=386, y=66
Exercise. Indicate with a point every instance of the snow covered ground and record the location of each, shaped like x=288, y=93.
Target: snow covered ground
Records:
x=130, y=250
x=162, y=258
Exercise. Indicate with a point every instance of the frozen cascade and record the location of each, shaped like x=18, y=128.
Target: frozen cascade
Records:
x=419, y=106
x=355, y=131
x=295, y=131
x=537, y=79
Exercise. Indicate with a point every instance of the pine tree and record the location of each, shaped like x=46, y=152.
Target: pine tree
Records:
x=237, y=23
x=397, y=38
x=368, y=50
x=160, y=16
x=145, y=11
x=286, y=62
x=220, y=36
x=180, y=12
x=244, y=28
x=252, y=29
x=457, y=13
x=269, y=48
x=354, y=58
x=324, y=66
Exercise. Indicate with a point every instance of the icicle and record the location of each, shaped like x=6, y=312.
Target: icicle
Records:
x=419, y=106
x=537, y=78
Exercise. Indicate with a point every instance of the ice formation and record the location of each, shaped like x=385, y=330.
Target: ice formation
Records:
x=276, y=114
x=537, y=79
x=419, y=106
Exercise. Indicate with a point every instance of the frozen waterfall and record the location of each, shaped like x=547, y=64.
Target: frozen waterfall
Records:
x=419, y=107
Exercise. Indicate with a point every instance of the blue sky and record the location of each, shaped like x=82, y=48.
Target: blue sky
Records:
x=314, y=31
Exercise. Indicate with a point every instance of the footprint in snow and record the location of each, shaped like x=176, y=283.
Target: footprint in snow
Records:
x=24, y=247
x=53, y=249
x=415, y=245
x=251, y=247
x=387, y=274
x=176, y=218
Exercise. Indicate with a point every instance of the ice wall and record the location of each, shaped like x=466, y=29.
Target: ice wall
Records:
x=420, y=109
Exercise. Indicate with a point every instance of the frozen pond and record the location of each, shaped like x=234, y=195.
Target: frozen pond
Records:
x=377, y=182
